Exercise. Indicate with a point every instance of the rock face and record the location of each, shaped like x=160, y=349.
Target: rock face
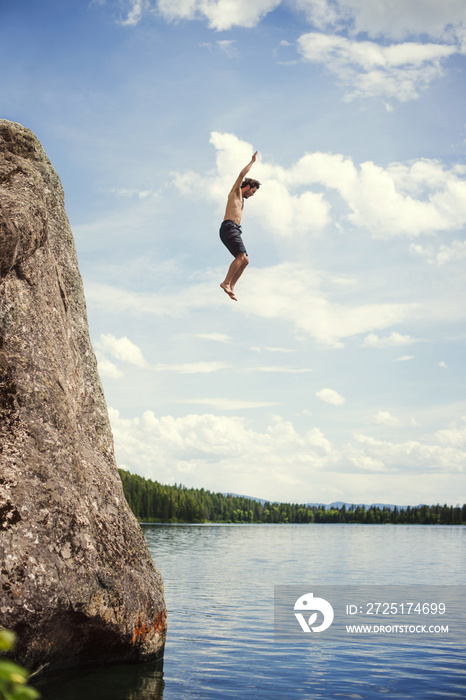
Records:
x=77, y=583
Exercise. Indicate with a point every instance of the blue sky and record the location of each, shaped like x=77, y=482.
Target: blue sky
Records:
x=339, y=374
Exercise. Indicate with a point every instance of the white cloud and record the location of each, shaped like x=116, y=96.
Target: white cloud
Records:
x=396, y=71
x=283, y=350
x=135, y=13
x=225, y=404
x=453, y=253
x=121, y=349
x=393, y=18
x=107, y=368
x=226, y=46
x=404, y=358
x=216, y=337
x=443, y=255
x=140, y=194
x=276, y=369
x=413, y=199
x=385, y=418
x=289, y=214
x=398, y=19
x=293, y=292
x=289, y=292
x=367, y=55
x=455, y=435
x=220, y=14
x=282, y=463
x=443, y=364
x=330, y=396
x=109, y=298
x=403, y=199
x=415, y=455
x=420, y=197
x=370, y=69
x=392, y=341
x=281, y=209
x=193, y=367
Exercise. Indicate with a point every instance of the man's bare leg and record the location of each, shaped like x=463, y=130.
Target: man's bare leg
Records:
x=239, y=272
x=235, y=271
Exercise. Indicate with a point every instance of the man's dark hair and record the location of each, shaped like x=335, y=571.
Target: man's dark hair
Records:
x=252, y=183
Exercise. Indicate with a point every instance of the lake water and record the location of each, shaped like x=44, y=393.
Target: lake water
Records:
x=219, y=588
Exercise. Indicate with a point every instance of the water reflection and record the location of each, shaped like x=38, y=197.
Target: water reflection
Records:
x=123, y=682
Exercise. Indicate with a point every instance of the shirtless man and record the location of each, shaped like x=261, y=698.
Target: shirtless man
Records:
x=230, y=230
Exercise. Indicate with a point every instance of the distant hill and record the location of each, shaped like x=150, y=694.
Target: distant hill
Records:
x=335, y=504
x=249, y=498
x=340, y=504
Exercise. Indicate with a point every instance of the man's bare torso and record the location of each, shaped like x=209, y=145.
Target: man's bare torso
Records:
x=235, y=204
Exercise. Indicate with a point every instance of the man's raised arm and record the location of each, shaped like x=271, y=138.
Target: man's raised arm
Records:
x=244, y=172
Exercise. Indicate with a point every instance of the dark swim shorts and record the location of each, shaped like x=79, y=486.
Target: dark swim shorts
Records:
x=230, y=235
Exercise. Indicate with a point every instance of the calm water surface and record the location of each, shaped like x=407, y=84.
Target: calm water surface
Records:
x=219, y=588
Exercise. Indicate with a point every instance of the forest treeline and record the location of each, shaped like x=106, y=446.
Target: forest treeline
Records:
x=154, y=502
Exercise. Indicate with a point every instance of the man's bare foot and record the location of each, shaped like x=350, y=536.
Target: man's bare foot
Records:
x=227, y=289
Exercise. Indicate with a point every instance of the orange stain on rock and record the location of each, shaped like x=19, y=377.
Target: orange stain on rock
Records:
x=142, y=629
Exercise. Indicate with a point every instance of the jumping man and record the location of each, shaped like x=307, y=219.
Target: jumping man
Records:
x=230, y=230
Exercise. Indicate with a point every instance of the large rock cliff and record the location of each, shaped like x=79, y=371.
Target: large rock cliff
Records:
x=77, y=583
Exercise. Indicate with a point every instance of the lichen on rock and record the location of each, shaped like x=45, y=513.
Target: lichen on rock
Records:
x=77, y=583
